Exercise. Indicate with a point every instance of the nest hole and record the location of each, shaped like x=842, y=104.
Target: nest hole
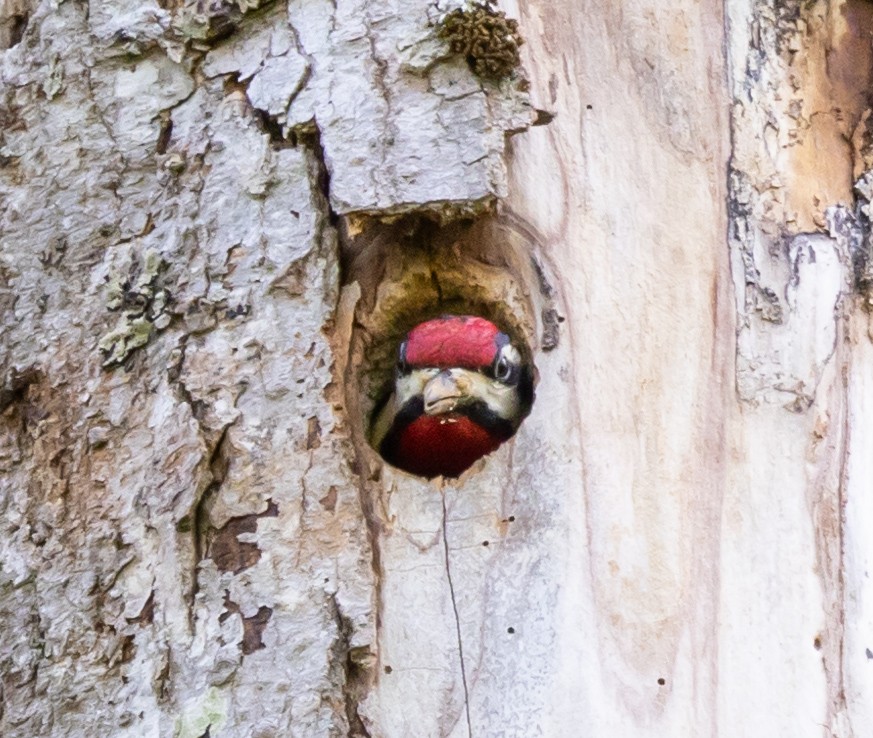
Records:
x=414, y=270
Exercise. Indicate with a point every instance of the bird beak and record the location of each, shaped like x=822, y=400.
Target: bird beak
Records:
x=445, y=392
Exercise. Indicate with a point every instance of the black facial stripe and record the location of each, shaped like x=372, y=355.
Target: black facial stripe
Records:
x=525, y=389
x=412, y=409
x=481, y=414
x=478, y=412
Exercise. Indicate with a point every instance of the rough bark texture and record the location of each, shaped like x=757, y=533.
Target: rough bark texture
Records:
x=217, y=219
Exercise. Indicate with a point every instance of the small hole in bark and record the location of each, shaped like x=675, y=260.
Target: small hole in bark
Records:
x=662, y=681
x=485, y=543
x=271, y=126
x=510, y=630
x=511, y=518
x=164, y=135
x=388, y=669
x=817, y=643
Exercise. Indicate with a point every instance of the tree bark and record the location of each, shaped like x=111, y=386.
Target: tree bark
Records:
x=216, y=222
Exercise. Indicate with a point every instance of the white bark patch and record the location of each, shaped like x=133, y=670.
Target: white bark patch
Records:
x=783, y=361
x=800, y=83
x=396, y=138
x=197, y=539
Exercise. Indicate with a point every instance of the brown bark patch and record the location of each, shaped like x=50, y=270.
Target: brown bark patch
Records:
x=231, y=554
x=830, y=79
x=253, y=626
x=328, y=502
x=128, y=649
x=147, y=614
x=313, y=434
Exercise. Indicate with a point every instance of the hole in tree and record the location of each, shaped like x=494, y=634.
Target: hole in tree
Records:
x=662, y=681
x=445, y=371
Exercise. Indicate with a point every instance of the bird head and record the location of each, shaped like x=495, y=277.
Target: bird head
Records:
x=460, y=390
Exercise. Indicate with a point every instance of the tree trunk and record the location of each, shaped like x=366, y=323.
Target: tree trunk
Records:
x=217, y=221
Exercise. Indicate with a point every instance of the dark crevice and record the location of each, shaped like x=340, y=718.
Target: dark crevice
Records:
x=543, y=117
x=17, y=27
x=321, y=175
x=357, y=674
x=222, y=19
x=218, y=465
x=272, y=128
x=435, y=281
x=14, y=389
x=354, y=687
x=165, y=134
x=198, y=520
x=147, y=614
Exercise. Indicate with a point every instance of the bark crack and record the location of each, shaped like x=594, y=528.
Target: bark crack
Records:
x=381, y=80
x=356, y=665
x=457, y=618
x=834, y=655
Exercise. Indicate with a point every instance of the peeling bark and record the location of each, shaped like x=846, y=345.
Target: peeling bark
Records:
x=217, y=220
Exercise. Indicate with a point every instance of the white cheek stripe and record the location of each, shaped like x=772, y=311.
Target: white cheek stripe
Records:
x=501, y=398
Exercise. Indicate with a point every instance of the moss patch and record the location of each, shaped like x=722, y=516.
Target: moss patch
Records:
x=142, y=305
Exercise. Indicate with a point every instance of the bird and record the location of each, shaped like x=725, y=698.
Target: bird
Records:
x=461, y=388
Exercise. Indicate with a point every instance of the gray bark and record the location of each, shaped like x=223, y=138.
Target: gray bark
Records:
x=217, y=220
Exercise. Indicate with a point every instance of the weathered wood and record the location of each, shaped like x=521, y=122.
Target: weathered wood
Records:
x=216, y=220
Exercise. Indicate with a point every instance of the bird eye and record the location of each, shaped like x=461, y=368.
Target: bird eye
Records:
x=402, y=366
x=503, y=368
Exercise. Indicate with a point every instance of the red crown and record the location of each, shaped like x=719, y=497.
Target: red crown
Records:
x=464, y=341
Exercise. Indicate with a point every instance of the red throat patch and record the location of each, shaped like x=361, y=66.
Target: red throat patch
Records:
x=463, y=341
x=445, y=445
